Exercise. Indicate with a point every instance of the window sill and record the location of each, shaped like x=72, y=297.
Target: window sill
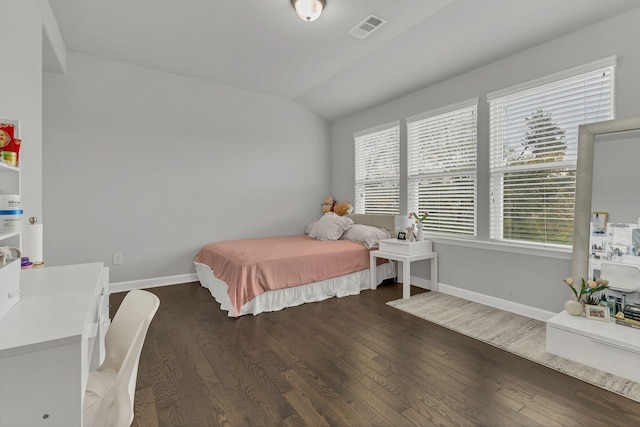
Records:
x=545, y=252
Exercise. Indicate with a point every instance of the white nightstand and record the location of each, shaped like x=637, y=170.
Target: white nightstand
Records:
x=405, y=252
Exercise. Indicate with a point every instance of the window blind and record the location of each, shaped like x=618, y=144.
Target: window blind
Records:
x=377, y=169
x=442, y=162
x=533, y=146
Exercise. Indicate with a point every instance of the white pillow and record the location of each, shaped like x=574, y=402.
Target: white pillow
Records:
x=330, y=227
x=310, y=225
x=367, y=235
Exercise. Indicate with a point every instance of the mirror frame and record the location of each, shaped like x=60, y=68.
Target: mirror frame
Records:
x=584, y=176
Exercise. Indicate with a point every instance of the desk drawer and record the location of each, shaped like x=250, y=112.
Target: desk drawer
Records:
x=594, y=352
x=9, y=286
x=405, y=248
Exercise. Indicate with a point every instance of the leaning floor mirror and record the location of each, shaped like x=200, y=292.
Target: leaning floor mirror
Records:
x=587, y=136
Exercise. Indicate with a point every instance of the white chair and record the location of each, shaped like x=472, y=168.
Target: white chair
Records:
x=621, y=277
x=108, y=400
x=624, y=278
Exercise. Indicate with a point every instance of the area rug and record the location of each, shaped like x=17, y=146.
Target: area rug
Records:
x=516, y=334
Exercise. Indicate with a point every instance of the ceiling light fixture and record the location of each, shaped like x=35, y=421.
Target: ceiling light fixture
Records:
x=308, y=10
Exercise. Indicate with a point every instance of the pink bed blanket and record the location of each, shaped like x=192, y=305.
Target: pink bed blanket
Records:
x=252, y=266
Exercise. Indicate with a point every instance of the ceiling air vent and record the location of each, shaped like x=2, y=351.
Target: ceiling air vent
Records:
x=367, y=26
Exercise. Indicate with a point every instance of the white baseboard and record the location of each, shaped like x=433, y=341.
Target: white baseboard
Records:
x=152, y=283
x=502, y=304
x=419, y=282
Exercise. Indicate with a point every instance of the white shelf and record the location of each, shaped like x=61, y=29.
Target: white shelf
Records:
x=5, y=167
x=8, y=235
x=10, y=184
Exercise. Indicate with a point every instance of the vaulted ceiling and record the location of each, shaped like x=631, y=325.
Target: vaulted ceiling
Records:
x=261, y=45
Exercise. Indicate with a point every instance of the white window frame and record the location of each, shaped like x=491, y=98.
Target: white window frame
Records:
x=497, y=101
x=381, y=146
x=431, y=145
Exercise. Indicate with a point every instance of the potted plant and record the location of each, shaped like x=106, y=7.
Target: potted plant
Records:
x=584, y=295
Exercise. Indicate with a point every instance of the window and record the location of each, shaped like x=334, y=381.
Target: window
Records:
x=377, y=153
x=442, y=158
x=534, y=141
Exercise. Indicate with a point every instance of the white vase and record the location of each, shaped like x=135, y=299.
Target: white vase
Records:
x=574, y=307
x=419, y=236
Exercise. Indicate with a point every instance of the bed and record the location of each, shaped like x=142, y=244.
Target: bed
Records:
x=253, y=276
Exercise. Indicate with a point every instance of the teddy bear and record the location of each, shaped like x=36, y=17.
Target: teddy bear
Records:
x=343, y=208
x=328, y=204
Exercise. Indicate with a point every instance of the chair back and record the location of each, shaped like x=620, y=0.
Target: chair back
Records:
x=621, y=277
x=124, y=341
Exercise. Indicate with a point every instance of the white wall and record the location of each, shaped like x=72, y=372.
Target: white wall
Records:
x=155, y=165
x=521, y=278
x=21, y=90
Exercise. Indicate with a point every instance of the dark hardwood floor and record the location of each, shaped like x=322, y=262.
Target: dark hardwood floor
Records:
x=350, y=361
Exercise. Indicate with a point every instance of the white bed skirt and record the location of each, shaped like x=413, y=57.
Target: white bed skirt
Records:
x=350, y=284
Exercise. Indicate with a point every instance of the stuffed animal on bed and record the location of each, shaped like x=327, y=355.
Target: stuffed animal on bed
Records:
x=328, y=204
x=343, y=208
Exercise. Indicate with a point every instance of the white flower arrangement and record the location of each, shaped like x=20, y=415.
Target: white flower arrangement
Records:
x=587, y=289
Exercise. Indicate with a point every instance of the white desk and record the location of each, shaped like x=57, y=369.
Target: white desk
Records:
x=48, y=343
x=406, y=260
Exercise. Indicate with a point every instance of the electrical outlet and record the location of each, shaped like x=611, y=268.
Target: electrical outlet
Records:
x=117, y=258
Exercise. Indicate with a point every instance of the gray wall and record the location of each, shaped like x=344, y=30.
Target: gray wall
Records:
x=155, y=165
x=527, y=278
x=616, y=177
x=21, y=36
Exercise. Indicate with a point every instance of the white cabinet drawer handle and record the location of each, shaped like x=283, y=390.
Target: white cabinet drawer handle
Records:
x=611, y=344
x=14, y=293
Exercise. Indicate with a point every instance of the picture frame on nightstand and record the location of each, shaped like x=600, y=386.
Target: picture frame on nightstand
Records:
x=597, y=312
x=402, y=235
